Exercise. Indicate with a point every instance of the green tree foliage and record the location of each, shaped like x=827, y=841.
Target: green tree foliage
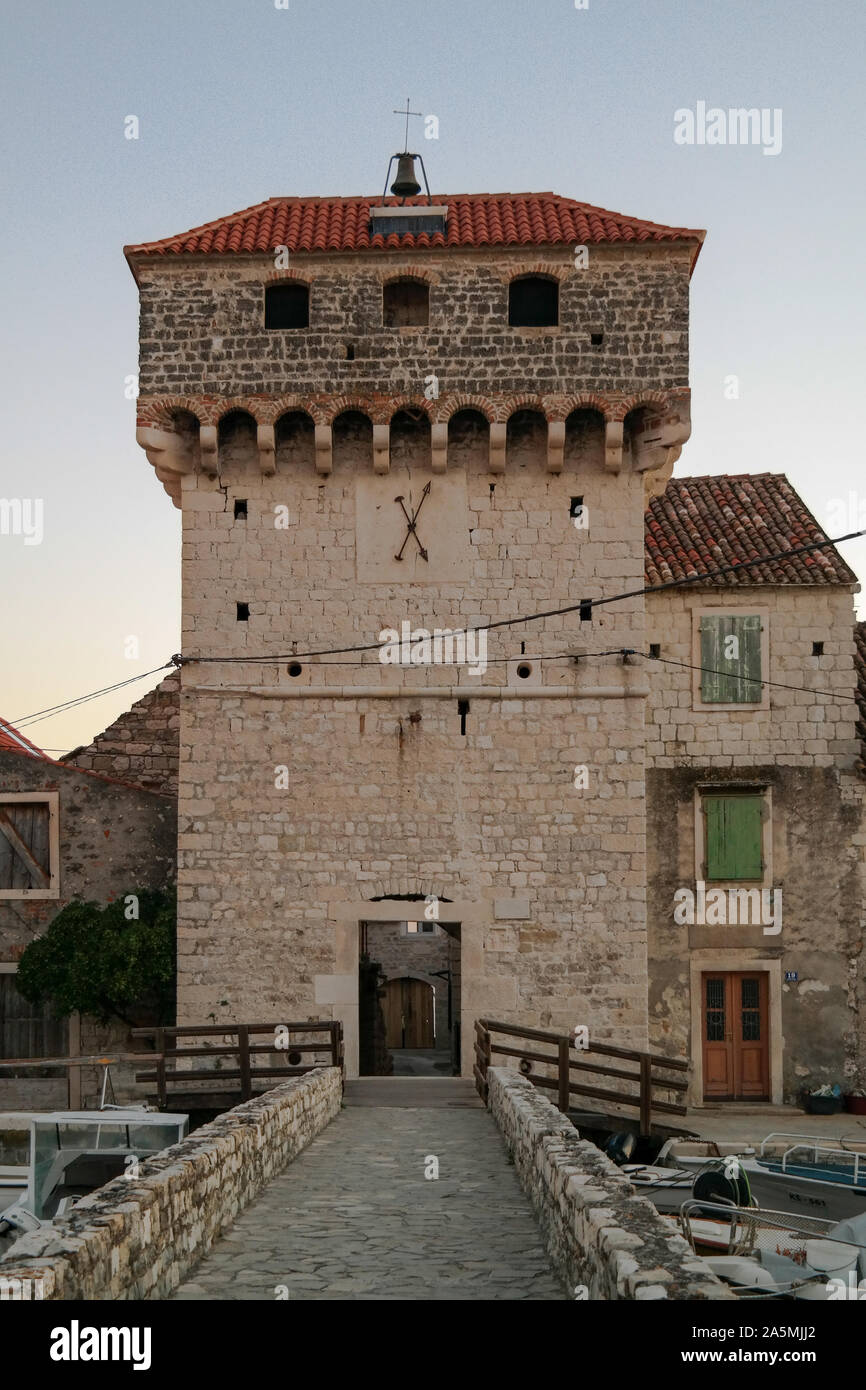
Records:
x=106, y=961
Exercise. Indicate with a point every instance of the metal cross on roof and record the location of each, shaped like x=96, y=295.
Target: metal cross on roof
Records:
x=398, y=111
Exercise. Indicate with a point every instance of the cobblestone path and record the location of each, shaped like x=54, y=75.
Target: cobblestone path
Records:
x=353, y=1217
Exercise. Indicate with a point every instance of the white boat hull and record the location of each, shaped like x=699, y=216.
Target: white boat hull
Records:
x=775, y=1191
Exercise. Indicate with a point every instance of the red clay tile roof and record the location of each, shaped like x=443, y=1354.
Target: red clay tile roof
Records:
x=860, y=669
x=74, y=771
x=700, y=524
x=11, y=741
x=474, y=220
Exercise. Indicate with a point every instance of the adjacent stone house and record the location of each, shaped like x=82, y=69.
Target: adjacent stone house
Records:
x=66, y=833
x=753, y=786
x=446, y=416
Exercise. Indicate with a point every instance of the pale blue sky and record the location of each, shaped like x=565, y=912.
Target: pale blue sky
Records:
x=239, y=101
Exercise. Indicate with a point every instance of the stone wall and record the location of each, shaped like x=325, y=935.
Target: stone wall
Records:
x=793, y=729
x=141, y=746
x=598, y=1232
x=803, y=751
x=138, y=1238
x=202, y=324
x=378, y=789
x=314, y=556
x=114, y=838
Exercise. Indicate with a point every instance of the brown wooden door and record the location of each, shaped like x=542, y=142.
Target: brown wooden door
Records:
x=735, y=1029
x=392, y=1008
x=408, y=1009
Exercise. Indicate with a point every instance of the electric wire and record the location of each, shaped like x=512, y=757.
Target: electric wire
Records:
x=51, y=710
x=581, y=606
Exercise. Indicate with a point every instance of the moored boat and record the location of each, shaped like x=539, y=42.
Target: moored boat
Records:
x=71, y=1154
x=770, y=1254
x=788, y=1172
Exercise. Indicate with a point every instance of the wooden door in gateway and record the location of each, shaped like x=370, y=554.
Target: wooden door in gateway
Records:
x=735, y=1031
x=408, y=1008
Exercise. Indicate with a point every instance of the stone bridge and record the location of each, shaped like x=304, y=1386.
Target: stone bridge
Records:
x=404, y=1188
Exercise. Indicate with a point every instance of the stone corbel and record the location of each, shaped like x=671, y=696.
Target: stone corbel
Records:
x=498, y=440
x=172, y=485
x=439, y=446
x=381, y=448
x=655, y=482
x=555, y=445
x=613, y=435
x=170, y=455
x=164, y=449
x=266, y=440
x=209, y=450
x=663, y=446
x=324, y=449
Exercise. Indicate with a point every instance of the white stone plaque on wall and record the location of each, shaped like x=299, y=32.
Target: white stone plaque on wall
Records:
x=441, y=527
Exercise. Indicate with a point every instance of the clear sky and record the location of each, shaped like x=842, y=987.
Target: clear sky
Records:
x=239, y=101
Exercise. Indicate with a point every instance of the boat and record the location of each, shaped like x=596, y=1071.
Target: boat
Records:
x=788, y=1172
x=71, y=1154
x=770, y=1254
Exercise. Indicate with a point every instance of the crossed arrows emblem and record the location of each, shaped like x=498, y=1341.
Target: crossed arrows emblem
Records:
x=410, y=525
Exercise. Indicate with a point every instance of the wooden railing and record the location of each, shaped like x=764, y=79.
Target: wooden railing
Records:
x=244, y=1075
x=74, y=1067
x=566, y=1058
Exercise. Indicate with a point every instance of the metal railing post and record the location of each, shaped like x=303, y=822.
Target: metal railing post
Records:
x=564, y=1075
x=161, y=1091
x=243, y=1033
x=646, y=1099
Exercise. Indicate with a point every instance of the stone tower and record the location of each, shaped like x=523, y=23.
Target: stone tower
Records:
x=446, y=413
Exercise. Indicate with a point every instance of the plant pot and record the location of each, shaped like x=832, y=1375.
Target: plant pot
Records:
x=855, y=1105
x=822, y=1105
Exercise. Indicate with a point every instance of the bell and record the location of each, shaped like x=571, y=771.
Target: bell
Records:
x=405, y=184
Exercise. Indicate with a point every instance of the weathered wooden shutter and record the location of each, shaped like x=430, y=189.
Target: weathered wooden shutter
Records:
x=748, y=629
x=25, y=856
x=734, y=837
x=28, y=1030
x=731, y=680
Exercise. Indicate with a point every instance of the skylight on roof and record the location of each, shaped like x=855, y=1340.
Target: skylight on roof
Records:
x=408, y=221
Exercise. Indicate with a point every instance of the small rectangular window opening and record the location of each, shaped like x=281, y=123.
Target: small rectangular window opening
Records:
x=243, y=612
x=240, y=509
x=533, y=302
x=596, y=339
x=586, y=610
x=405, y=304
x=655, y=649
x=463, y=710
x=576, y=506
x=287, y=305
x=817, y=648
x=350, y=352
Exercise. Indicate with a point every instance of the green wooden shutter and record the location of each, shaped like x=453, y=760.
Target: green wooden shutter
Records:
x=748, y=629
x=711, y=659
x=730, y=680
x=734, y=837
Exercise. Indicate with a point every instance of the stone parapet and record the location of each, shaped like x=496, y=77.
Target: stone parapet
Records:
x=598, y=1232
x=138, y=1238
